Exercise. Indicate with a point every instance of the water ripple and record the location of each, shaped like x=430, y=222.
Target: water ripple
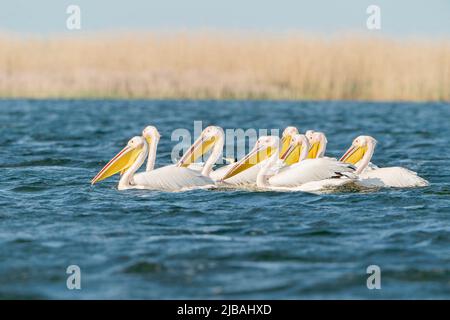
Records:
x=224, y=243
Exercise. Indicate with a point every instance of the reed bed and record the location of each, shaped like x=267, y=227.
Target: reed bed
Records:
x=224, y=66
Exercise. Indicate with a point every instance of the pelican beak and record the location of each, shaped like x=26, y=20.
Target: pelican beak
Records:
x=313, y=150
x=258, y=154
x=292, y=154
x=121, y=162
x=285, y=144
x=148, y=139
x=201, y=146
x=134, y=156
x=353, y=154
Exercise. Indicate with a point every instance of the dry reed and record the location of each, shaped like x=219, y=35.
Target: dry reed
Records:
x=219, y=66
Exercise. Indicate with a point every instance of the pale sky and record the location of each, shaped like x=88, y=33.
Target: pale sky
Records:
x=399, y=18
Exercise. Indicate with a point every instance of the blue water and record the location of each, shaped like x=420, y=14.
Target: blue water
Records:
x=217, y=244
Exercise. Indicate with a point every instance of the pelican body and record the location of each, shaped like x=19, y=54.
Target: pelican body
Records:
x=360, y=154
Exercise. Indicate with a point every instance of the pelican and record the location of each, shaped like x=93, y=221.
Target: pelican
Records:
x=168, y=178
x=248, y=177
x=360, y=153
x=286, y=139
x=312, y=145
x=248, y=171
x=212, y=138
x=150, y=133
x=318, y=144
x=293, y=177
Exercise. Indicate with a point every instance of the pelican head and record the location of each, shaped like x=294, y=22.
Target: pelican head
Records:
x=286, y=138
x=121, y=161
x=358, y=149
x=297, y=150
x=309, y=134
x=318, y=142
x=207, y=139
x=265, y=147
x=150, y=133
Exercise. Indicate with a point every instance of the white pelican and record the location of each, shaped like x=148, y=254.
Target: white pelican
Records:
x=150, y=133
x=250, y=167
x=318, y=144
x=210, y=138
x=249, y=177
x=360, y=153
x=286, y=139
x=168, y=178
x=312, y=145
x=293, y=177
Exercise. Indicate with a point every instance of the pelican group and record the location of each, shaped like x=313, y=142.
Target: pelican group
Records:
x=296, y=162
x=275, y=176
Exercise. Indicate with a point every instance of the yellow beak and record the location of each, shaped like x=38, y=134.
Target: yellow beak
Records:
x=353, y=155
x=313, y=150
x=120, y=162
x=254, y=157
x=285, y=143
x=133, y=157
x=201, y=146
x=292, y=154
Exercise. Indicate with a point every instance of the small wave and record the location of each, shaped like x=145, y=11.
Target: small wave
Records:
x=144, y=267
x=321, y=233
x=47, y=162
x=30, y=188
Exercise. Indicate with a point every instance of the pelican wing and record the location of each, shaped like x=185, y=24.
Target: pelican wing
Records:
x=370, y=166
x=220, y=172
x=311, y=170
x=246, y=177
x=320, y=186
x=171, y=178
x=395, y=177
x=196, y=166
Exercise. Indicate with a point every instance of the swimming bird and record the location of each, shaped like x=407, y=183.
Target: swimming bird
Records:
x=150, y=133
x=248, y=171
x=247, y=177
x=286, y=138
x=293, y=177
x=318, y=144
x=360, y=154
x=168, y=178
x=212, y=138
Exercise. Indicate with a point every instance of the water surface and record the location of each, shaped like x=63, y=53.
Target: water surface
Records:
x=217, y=244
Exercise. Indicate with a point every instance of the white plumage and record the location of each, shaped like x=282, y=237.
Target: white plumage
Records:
x=318, y=186
x=311, y=170
x=353, y=170
x=393, y=177
x=169, y=178
x=219, y=173
x=172, y=178
x=246, y=177
x=370, y=175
